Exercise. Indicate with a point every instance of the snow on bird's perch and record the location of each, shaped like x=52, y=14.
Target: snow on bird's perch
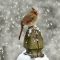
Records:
x=22, y=56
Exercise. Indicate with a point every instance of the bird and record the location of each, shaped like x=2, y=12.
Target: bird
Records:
x=29, y=19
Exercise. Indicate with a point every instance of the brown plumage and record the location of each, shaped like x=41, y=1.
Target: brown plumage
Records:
x=28, y=20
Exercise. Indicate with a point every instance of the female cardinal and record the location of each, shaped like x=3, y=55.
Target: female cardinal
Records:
x=28, y=20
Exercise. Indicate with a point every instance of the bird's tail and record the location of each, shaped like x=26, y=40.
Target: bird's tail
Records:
x=21, y=30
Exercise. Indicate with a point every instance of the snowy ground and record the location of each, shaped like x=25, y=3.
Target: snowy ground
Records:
x=12, y=11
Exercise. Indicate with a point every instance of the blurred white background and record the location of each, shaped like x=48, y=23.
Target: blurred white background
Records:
x=12, y=11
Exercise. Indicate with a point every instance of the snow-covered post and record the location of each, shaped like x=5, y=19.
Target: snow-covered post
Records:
x=33, y=31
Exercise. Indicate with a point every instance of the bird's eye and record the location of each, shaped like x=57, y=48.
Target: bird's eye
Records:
x=35, y=12
x=32, y=17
